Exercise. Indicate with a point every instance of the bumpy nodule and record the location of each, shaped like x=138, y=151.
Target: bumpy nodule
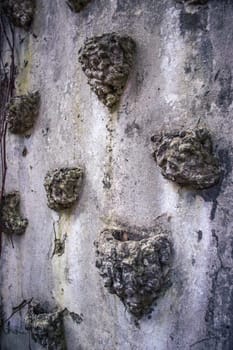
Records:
x=106, y=60
x=134, y=266
x=22, y=112
x=46, y=328
x=11, y=222
x=20, y=12
x=78, y=5
x=187, y=158
x=63, y=187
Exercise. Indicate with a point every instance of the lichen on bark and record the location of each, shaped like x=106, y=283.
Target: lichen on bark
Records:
x=11, y=221
x=134, y=265
x=107, y=60
x=187, y=158
x=22, y=112
x=63, y=187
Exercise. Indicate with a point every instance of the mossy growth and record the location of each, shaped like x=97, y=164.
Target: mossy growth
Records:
x=22, y=112
x=135, y=266
x=11, y=222
x=77, y=5
x=20, y=12
x=107, y=60
x=46, y=328
x=187, y=158
x=63, y=187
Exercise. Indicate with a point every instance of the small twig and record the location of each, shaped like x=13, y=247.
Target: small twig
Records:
x=18, y=308
x=55, y=239
x=201, y=341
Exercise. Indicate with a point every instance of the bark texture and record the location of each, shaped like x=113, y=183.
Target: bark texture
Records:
x=181, y=79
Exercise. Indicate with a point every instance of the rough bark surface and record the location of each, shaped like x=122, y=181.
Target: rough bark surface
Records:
x=181, y=79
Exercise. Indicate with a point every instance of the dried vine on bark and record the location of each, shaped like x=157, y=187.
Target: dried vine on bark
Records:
x=7, y=79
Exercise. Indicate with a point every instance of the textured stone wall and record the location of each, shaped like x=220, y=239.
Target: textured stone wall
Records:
x=180, y=79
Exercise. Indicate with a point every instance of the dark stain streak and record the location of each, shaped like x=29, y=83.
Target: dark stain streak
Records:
x=199, y=235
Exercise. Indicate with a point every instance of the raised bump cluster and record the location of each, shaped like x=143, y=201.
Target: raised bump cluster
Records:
x=22, y=112
x=107, y=60
x=187, y=158
x=63, y=187
x=20, y=12
x=134, y=266
x=46, y=328
x=11, y=221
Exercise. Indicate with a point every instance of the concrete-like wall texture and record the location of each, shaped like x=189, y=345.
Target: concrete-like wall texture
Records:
x=181, y=78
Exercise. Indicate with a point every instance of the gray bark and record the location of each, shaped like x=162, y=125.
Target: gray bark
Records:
x=182, y=77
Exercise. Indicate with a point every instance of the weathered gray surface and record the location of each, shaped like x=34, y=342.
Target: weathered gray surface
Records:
x=183, y=72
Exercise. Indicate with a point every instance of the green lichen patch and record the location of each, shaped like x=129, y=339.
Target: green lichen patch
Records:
x=63, y=187
x=187, y=158
x=107, y=60
x=134, y=266
x=11, y=222
x=20, y=12
x=46, y=328
x=78, y=5
x=22, y=112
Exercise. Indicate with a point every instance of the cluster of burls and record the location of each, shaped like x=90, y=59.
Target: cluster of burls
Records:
x=46, y=328
x=22, y=112
x=78, y=5
x=11, y=222
x=134, y=266
x=187, y=158
x=20, y=12
x=106, y=60
x=63, y=187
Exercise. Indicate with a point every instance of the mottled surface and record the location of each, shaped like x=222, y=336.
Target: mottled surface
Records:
x=63, y=187
x=46, y=328
x=20, y=12
x=187, y=158
x=11, y=221
x=78, y=5
x=134, y=266
x=106, y=60
x=22, y=112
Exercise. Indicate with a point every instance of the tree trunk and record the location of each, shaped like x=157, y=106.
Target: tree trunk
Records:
x=180, y=79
